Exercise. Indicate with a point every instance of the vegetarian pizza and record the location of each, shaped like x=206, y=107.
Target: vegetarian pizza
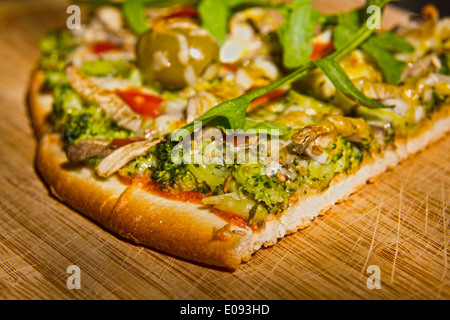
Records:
x=209, y=129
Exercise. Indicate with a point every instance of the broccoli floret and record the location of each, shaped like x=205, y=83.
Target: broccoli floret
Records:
x=66, y=102
x=55, y=48
x=92, y=123
x=139, y=167
x=250, y=180
x=79, y=122
x=268, y=190
x=168, y=174
x=61, y=41
x=312, y=175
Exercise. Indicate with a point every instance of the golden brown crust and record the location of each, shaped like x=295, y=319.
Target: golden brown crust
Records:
x=39, y=105
x=182, y=229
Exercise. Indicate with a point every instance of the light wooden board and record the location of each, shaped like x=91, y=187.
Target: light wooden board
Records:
x=400, y=223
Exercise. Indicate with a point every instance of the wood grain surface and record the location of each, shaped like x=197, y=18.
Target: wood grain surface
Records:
x=399, y=223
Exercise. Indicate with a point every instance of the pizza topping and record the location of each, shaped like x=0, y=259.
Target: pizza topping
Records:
x=422, y=66
x=55, y=48
x=321, y=49
x=111, y=18
x=199, y=104
x=232, y=203
x=120, y=157
x=313, y=139
x=111, y=69
x=147, y=105
x=111, y=104
x=77, y=121
x=248, y=31
x=102, y=47
x=88, y=149
x=177, y=53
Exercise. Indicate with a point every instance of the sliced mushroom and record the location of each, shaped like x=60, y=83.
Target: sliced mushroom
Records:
x=309, y=134
x=88, y=149
x=113, y=106
x=247, y=29
x=378, y=90
x=313, y=139
x=120, y=157
x=422, y=66
x=434, y=79
x=111, y=18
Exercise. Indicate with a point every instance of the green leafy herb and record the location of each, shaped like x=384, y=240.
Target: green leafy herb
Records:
x=134, y=13
x=297, y=32
x=346, y=28
x=227, y=115
x=391, y=42
x=392, y=68
x=214, y=16
x=340, y=80
x=380, y=46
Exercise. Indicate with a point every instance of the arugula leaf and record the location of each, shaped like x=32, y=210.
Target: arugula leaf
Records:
x=134, y=13
x=346, y=28
x=391, y=42
x=378, y=46
x=392, y=68
x=341, y=81
x=232, y=115
x=227, y=115
x=254, y=3
x=297, y=32
x=214, y=16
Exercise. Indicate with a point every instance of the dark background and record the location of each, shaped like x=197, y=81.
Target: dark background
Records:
x=416, y=5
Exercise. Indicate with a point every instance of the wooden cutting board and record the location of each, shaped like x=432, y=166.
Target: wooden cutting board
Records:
x=399, y=223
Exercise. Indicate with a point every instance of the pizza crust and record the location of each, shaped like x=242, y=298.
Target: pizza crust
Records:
x=189, y=230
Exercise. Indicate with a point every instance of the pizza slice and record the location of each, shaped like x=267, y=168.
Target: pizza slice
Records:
x=208, y=130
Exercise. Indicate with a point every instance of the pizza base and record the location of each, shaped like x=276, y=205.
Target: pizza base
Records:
x=189, y=230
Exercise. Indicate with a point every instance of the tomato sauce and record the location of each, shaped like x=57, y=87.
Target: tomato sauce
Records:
x=152, y=187
x=194, y=197
x=236, y=220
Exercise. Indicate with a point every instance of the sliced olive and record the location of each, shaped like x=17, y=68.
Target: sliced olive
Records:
x=177, y=54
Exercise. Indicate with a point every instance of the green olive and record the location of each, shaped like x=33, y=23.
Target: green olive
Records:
x=177, y=54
